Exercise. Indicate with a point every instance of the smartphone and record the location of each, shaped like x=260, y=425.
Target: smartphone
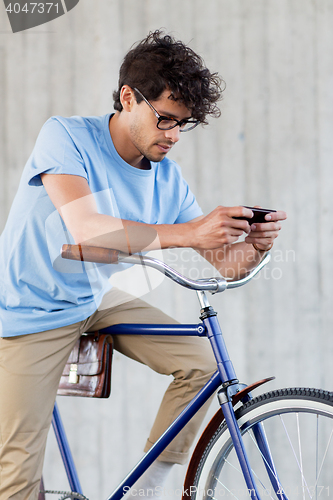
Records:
x=258, y=215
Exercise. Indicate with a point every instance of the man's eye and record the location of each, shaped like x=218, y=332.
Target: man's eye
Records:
x=165, y=124
x=166, y=120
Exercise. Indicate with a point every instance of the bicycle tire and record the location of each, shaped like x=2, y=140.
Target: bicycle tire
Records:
x=298, y=424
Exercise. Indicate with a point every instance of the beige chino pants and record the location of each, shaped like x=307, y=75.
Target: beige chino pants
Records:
x=30, y=370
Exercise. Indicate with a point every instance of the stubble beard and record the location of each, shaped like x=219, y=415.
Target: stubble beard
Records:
x=138, y=140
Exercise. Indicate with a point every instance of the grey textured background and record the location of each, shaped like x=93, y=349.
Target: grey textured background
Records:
x=272, y=146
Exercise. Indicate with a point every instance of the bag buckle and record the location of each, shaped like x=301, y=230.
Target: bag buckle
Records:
x=73, y=377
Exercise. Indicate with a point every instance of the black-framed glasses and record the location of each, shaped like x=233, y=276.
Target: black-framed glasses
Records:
x=166, y=122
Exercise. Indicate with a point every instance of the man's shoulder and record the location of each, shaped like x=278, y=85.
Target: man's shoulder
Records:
x=73, y=122
x=80, y=130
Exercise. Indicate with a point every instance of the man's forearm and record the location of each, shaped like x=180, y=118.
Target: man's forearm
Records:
x=131, y=236
x=233, y=261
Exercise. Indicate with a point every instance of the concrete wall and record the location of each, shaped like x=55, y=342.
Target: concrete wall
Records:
x=272, y=146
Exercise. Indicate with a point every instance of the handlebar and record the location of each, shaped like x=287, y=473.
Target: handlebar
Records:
x=109, y=256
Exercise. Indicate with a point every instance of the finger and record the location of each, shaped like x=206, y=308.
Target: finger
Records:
x=258, y=236
x=241, y=225
x=229, y=231
x=275, y=216
x=265, y=227
x=239, y=212
x=236, y=232
x=224, y=216
x=239, y=216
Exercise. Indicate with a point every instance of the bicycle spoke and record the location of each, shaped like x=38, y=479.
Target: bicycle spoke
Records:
x=262, y=455
x=267, y=442
x=241, y=474
x=295, y=455
x=224, y=486
x=322, y=463
x=300, y=453
x=265, y=460
x=233, y=466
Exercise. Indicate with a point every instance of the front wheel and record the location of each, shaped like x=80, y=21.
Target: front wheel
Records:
x=298, y=425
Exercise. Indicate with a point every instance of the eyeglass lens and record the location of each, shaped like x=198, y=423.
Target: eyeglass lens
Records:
x=167, y=124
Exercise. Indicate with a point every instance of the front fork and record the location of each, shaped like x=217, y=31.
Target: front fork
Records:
x=230, y=387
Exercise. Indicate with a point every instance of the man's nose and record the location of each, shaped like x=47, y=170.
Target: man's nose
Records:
x=173, y=134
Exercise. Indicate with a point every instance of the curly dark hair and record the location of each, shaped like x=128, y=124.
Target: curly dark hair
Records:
x=159, y=62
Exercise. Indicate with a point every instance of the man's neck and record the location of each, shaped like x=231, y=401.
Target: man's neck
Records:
x=124, y=147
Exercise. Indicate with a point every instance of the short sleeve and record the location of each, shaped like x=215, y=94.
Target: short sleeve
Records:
x=189, y=208
x=55, y=152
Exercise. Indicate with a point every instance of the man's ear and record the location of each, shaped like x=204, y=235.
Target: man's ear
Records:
x=127, y=98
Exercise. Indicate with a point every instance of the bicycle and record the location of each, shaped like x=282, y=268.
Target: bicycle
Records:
x=277, y=445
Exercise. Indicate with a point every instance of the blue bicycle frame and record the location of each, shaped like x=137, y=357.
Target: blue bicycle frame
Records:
x=224, y=377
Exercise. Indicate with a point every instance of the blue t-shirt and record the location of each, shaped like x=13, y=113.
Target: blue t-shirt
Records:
x=38, y=289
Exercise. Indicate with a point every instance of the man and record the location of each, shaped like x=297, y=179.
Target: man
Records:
x=106, y=181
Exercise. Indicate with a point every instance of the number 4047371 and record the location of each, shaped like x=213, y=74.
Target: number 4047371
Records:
x=32, y=7
x=318, y=491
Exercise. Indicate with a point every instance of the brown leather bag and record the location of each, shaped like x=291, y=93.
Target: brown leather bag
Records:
x=88, y=369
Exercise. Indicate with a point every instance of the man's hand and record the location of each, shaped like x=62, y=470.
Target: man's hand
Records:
x=263, y=234
x=218, y=233
x=219, y=228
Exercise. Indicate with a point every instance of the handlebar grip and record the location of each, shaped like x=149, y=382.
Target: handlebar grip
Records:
x=90, y=254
